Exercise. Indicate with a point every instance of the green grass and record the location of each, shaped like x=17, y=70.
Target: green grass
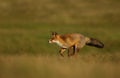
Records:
x=33, y=38
x=26, y=26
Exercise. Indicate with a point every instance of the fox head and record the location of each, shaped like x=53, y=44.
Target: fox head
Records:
x=54, y=38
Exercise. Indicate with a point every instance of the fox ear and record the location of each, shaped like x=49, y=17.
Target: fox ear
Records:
x=54, y=33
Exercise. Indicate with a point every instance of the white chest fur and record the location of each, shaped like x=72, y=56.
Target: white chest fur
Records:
x=60, y=44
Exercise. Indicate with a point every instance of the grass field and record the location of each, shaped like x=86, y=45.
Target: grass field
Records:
x=26, y=53
x=85, y=66
x=33, y=38
x=26, y=26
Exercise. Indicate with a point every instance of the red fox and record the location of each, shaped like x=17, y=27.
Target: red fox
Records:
x=73, y=41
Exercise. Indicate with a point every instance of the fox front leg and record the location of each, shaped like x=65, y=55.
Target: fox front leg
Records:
x=62, y=50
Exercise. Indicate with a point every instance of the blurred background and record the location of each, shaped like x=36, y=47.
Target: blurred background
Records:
x=60, y=11
x=26, y=26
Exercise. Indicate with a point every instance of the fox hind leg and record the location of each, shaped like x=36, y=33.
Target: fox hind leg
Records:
x=75, y=50
x=70, y=53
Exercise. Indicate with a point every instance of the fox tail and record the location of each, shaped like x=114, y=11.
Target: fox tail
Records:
x=95, y=43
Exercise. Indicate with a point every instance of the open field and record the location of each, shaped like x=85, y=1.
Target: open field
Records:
x=33, y=38
x=25, y=52
x=26, y=26
x=62, y=12
x=85, y=66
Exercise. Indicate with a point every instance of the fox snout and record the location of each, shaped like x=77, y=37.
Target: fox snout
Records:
x=49, y=41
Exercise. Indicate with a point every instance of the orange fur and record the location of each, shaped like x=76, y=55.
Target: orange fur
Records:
x=70, y=41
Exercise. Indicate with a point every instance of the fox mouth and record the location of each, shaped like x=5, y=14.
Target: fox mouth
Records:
x=50, y=41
